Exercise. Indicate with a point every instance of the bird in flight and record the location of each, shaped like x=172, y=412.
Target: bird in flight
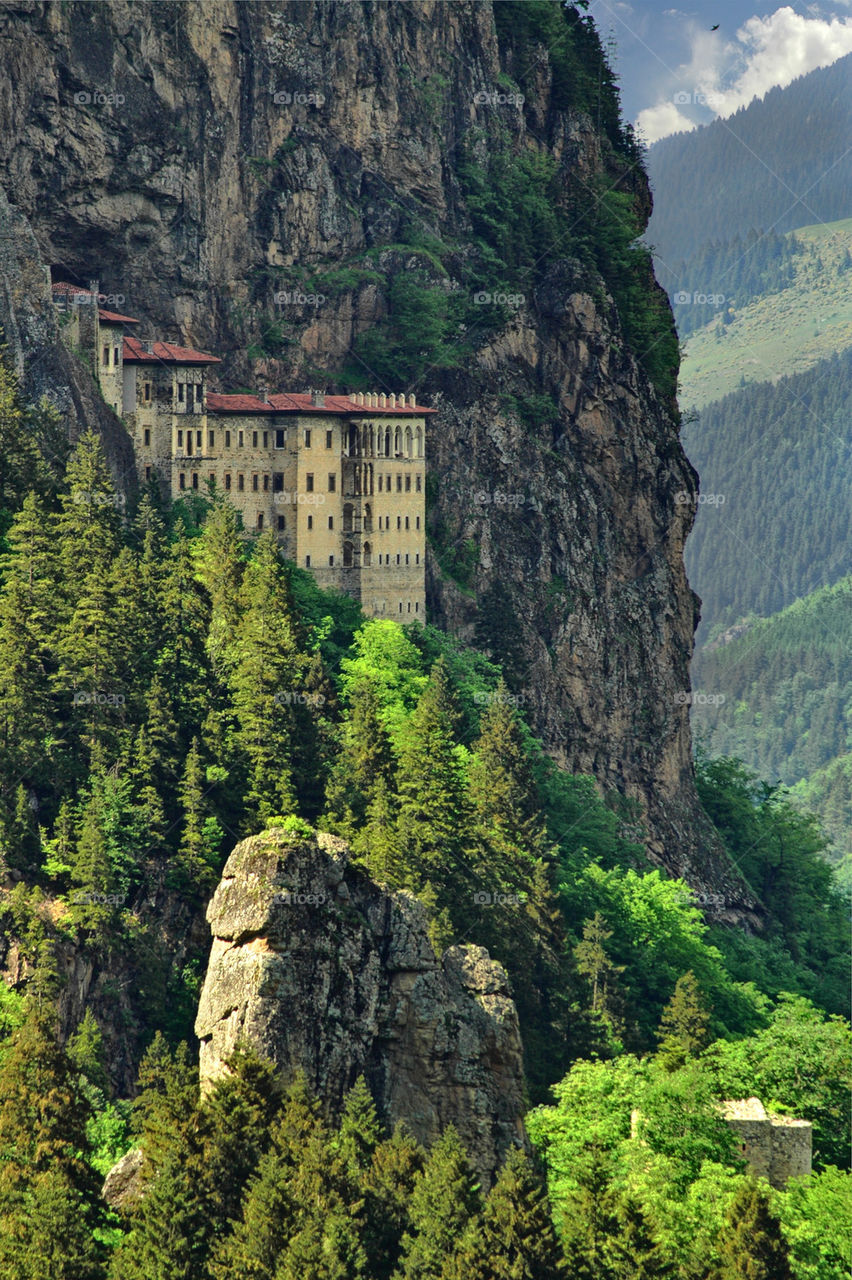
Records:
x=716, y=28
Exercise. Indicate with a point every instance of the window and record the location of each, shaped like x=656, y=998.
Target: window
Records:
x=180, y=439
x=227, y=439
x=195, y=479
x=211, y=439
x=307, y=437
x=241, y=482
x=417, y=558
x=409, y=606
x=331, y=522
x=397, y=557
x=332, y=481
x=189, y=442
x=240, y=439
x=147, y=473
x=254, y=439
x=280, y=439
x=331, y=562
x=399, y=484
x=307, y=562
x=278, y=482
x=115, y=355
x=180, y=392
x=146, y=394
x=266, y=482
x=380, y=484
x=199, y=393
x=212, y=477
x=310, y=522
x=106, y=356
x=417, y=522
x=260, y=519
x=417, y=484
x=309, y=482
x=227, y=480
x=407, y=525
x=329, y=439
x=254, y=483
x=147, y=435
x=182, y=480
x=416, y=606
x=400, y=603
x=408, y=484
x=198, y=438
x=399, y=522
x=406, y=557
x=280, y=524
x=266, y=439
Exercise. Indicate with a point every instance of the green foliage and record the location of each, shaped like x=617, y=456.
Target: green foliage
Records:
x=752, y=1246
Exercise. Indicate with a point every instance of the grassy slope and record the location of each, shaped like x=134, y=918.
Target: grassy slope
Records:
x=779, y=334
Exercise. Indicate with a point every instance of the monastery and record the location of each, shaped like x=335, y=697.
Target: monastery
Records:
x=339, y=479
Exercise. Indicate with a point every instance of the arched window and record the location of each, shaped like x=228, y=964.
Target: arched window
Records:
x=347, y=517
x=387, y=442
x=367, y=558
x=372, y=442
x=368, y=518
x=409, y=439
x=397, y=441
x=419, y=437
x=352, y=443
x=348, y=555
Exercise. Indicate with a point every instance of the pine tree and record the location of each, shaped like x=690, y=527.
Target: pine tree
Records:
x=637, y=1255
x=434, y=817
x=590, y=1226
x=515, y=1237
x=502, y=787
x=89, y=525
x=22, y=467
x=220, y=561
x=182, y=665
x=49, y=1193
x=752, y=1245
x=197, y=852
x=595, y=965
x=685, y=1025
x=377, y=843
x=169, y=1239
x=266, y=675
x=387, y=1186
x=444, y=1200
x=360, y=1130
x=363, y=767
x=164, y=1111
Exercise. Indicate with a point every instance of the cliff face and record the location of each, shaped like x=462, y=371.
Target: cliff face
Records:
x=319, y=969
x=201, y=159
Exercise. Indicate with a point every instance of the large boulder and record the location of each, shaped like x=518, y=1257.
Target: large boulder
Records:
x=321, y=969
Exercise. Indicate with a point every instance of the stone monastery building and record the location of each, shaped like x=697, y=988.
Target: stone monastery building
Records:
x=340, y=479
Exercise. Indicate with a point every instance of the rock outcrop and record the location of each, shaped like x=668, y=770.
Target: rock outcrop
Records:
x=322, y=970
x=201, y=159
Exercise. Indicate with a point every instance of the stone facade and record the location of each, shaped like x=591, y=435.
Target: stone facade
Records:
x=340, y=480
x=776, y=1147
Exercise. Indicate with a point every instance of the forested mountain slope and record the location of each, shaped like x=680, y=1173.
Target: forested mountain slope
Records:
x=774, y=520
x=781, y=162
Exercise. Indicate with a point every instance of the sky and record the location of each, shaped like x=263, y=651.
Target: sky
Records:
x=676, y=73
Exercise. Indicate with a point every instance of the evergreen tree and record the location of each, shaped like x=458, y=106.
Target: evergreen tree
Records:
x=515, y=1237
x=89, y=525
x=182, y=664
x=590, y=1226
x=434, y=817
x=684, y=1027
x=637, y=1255
x=220, y=559
x=49, y=1193
x=378, y=843
x=360, y=1130
x=364, y=764
x=199, y=846
x=387, y=1186
x=266, y=675
x=502, y=787
x=444, y=1200
x=752, y=1246
x=595, y=965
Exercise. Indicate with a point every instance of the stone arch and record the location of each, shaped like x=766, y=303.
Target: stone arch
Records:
x=397, y=442
x=368, y=518
x=387, y=442
x=419, y=441
x=367, y=557
x=348, y=555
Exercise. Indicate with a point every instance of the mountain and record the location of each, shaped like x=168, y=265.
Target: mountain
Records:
x=781, y=162
x=445, y=232
x=786, y=704
x=773, y=520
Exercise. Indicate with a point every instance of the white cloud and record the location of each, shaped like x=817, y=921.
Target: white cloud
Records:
x=768, y=51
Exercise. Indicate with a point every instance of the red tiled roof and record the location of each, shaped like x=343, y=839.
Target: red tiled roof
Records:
x=112, y=317
x=164, y=353
x=65, y=287
x=301, y=402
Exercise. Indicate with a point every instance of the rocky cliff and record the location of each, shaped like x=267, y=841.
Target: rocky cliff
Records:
x=321, y=970
x=254, y=178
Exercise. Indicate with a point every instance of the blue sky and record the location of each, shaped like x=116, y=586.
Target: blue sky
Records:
x=675, y=72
